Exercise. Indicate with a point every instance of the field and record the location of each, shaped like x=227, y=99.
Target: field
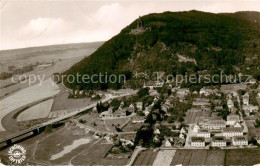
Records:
x=38, y=111
x=192, y=116
x=111, y=123
x=64, y=57
x=164, y=157
x=62, y=102
x=65, y=145
x=204, y=157
x=146, y=157
x=27, y=96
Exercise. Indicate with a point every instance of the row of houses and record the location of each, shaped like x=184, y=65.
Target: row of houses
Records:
x=219, y=141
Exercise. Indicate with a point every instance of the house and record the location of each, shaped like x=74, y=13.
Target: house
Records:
x=250, y=108
x=258, y=94
x=138, y=119
x=122, y=104
x=183, y=130
x=232, y=119
x=207, y=92
x=218, y=142
x=182, y=136
x=230, y=104
x=147, y=110
x=246, y=99
x=204, y=133
x=195, y=128
x=168, y=142
x=218, y=108
x=94, y=109
x=112, y=115
x=139, y=105
x=131, y=108
x=239, y=141
x=197, y=142
x=237, y=125
x=183, y=91
x=126, y=142
x=232, y=132
x=157, y=131
x=201, y=102
x=213, y=124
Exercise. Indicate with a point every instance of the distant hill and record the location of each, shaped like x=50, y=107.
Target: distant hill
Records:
x=228, y=42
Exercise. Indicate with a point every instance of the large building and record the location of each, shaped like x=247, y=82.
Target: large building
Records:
x=232, y=132
x=218, y=142
x=204, y=133
x=197, y=142
x=239, y=141
x=112, y=115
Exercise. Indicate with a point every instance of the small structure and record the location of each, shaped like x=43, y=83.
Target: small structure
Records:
x=139, y=105
x=246, y=99
x=139, y=27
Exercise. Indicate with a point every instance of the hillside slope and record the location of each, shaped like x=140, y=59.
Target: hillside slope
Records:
x=228, y=42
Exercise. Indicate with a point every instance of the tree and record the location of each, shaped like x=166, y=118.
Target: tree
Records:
x=143, y=92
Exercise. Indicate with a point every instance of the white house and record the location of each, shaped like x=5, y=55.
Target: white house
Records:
x=230, y=104
x=216, y=124
x=139, y=105
x=181, y=136
x=246, y=99
x=239, y=141
x=183, y=91
x=232, y=119
x=138, y=119
x=156, y=131
x=195, y=128
x=207, y=92
x=232, y=132
x=204, y=133
x=197, y=142
x=218, y=142
x=183, y=130
x=112, y=115
x=237, y=125
x=168, y=143
x=126, y=142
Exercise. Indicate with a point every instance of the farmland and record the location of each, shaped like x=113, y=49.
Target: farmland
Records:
x=62, y=102
x=146, y=157
x=164, y=157
x=38, y=111
x=205, y=157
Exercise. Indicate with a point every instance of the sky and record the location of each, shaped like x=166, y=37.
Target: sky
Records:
x=28, y=23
